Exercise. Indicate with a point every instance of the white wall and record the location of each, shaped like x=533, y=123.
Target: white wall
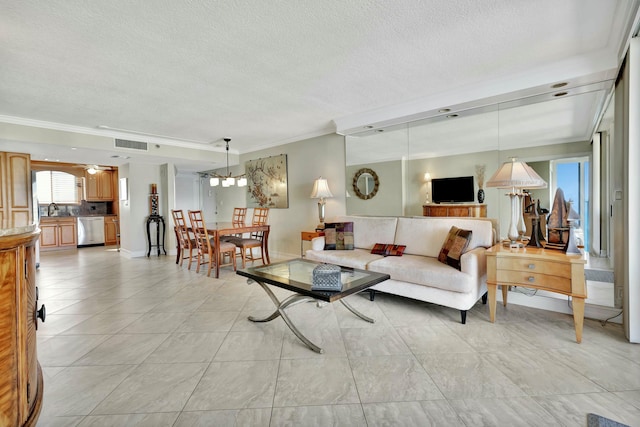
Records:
x=133, y=215
x=306, y=161
x=388, y=200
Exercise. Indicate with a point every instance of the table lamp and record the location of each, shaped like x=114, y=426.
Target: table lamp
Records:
x=515, y=176
x=321, y=191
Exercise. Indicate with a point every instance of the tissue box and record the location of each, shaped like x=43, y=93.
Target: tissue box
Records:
x=326, y=277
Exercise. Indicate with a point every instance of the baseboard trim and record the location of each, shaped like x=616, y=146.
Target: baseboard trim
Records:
x=596, y=312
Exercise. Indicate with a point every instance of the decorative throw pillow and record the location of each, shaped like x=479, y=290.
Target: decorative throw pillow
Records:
x=454, y=246
x=338, y=236
x=388, y=250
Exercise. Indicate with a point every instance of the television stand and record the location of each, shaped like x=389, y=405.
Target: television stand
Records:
x=473, y=210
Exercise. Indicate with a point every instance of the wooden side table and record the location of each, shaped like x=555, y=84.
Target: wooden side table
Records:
x=307, y=236
x=537, y=268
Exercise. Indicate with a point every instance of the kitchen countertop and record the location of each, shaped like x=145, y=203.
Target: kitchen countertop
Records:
x=74, y=216
x=11, y=229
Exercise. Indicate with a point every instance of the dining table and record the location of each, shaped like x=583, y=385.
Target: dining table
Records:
x=218, y=229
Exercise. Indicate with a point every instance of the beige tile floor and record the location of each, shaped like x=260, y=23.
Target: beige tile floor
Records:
x=144, y=342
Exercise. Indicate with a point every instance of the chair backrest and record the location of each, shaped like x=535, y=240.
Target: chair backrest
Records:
x=239, y=215
x=178, y=218
x=260, y=216
x=181, y=228
x=199, y=230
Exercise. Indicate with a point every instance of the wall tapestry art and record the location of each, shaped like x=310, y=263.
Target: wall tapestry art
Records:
x=267, y=182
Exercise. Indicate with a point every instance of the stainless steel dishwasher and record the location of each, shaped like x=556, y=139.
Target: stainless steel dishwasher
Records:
x=90, y=231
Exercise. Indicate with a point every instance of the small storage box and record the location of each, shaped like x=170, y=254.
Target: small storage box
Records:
x=326, y=277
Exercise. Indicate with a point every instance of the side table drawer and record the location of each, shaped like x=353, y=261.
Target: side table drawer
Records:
x=539, y=280
x=532, y=265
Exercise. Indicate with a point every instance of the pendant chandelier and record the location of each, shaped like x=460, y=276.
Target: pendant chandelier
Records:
x=227, y=180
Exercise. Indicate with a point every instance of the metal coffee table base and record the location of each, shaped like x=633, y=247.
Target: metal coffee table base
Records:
x=294, y=300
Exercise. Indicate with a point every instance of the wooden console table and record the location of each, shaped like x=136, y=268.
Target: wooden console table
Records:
x=537, y=268
x=476, y=210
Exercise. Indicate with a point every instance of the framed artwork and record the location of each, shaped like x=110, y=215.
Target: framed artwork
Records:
x=267, y=182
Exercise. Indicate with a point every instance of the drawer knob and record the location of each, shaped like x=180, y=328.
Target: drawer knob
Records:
x=531, y=279
x=532, y=266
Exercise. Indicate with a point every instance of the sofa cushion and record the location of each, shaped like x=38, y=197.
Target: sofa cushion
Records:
x=454, y=246
x=369, y=230
x=388, y=249
x=425, y=271
x=357, y=258
x=338, y=236
x=424, y=235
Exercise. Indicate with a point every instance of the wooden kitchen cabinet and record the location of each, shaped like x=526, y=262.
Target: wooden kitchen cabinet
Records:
x=15, y=189
x=110, y=230
x=20, y=373
x=99, y=186
x=58, y=233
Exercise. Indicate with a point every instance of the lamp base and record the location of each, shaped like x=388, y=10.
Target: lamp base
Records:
x=320, y=227
x=535, y=233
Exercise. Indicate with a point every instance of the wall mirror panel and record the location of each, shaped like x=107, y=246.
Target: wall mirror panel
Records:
x=551, y=133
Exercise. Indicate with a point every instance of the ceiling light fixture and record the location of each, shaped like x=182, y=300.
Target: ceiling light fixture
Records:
x=227, y=180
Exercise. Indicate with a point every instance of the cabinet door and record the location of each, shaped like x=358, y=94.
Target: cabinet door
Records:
x=49, y=235
x=67, y=234
x=91, y=184
x=458, y=211
x=15, y=188
x=3, y=183
x=110, y=231
x=438, y=211
x=9, y=259
x=106, y=187
x=29, y=288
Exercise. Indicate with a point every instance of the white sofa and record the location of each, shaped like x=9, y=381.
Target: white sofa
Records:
x=417, y=274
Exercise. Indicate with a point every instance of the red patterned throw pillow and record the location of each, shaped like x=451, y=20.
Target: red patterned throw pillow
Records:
x=388, y=250
x=454, y=246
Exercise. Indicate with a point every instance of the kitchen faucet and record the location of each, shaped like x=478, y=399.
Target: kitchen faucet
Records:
x=52, y=208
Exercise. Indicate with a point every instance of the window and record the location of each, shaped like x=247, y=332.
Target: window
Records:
x=56, y=187
x=572, y=175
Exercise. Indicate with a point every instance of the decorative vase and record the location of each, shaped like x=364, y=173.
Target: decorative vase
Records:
x=480, y=195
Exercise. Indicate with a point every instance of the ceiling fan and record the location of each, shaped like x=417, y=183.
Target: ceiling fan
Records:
x=93, y=169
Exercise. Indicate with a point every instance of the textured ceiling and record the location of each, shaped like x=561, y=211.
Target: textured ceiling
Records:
x=269, y=72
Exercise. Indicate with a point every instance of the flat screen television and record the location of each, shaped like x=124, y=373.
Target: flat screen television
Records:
x=453, y=190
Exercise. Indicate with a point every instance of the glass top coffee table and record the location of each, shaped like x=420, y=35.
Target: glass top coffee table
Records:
x=296, y=275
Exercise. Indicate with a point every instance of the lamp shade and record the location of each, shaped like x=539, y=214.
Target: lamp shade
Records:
x=514, y=174
x=321, y=189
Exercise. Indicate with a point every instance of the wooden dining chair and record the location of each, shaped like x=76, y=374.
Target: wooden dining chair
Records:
x=239, y=217
x=248, y=244
x=186, y=240
x=206, y=245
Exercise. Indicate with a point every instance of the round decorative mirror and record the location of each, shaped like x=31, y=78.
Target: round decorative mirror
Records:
x=365, y=183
